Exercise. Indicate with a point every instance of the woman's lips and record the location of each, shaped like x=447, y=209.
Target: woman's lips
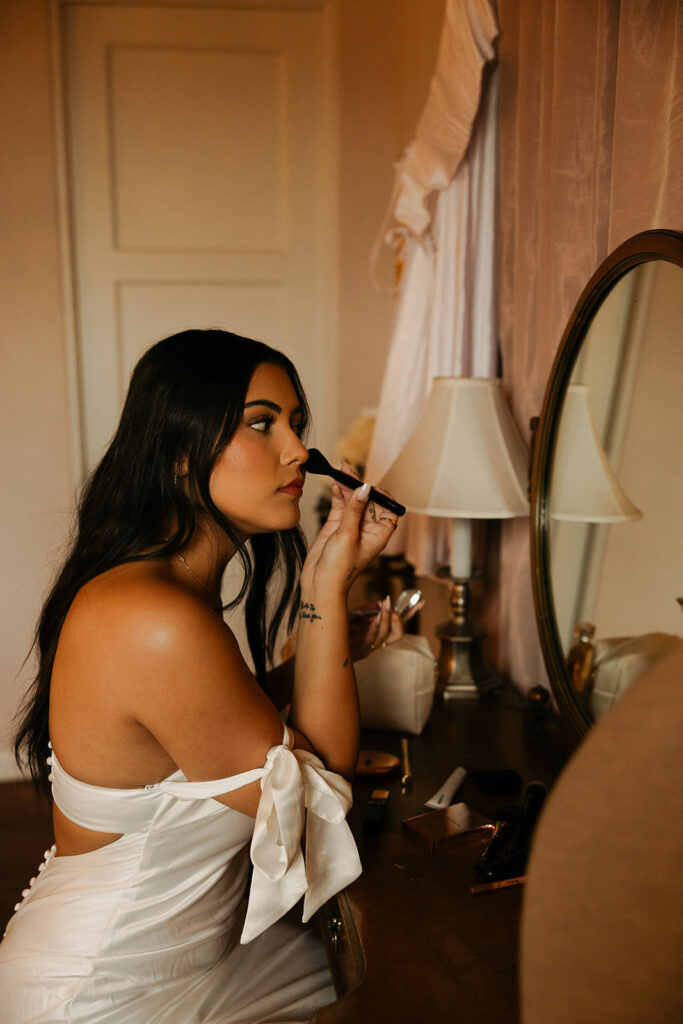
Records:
x=296, y=489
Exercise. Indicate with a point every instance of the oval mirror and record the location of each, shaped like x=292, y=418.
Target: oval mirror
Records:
x=607, y=481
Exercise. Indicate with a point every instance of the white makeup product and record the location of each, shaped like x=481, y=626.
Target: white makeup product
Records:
x=443, y=796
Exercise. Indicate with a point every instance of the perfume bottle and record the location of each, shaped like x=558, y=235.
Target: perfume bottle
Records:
x=580, y=660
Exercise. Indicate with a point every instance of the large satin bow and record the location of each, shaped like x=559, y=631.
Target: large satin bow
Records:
x=297, y=788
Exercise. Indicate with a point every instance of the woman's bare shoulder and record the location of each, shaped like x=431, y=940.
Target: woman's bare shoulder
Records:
x=147, y=658
x=144, y=600
x=176, y=670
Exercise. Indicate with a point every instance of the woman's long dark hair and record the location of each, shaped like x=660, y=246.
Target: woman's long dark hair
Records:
x=184, y=403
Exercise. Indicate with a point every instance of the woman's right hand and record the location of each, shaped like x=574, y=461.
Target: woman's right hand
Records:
x=355, y=532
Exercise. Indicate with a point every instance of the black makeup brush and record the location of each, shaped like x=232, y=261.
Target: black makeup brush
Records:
x=317, y=463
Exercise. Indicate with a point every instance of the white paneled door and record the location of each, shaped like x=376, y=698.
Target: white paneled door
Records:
x=198, y=141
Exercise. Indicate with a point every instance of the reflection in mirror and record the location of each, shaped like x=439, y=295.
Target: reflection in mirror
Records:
x=616, y=492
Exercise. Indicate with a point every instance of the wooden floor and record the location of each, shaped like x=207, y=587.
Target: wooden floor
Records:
x=26, y=831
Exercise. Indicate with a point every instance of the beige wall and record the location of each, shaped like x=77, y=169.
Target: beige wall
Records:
x=387, y=49
x=387, y=53
x=34, y=428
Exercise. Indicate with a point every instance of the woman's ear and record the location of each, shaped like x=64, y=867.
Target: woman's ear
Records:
x=180, y=469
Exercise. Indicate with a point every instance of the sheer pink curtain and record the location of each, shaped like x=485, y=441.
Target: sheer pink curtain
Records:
x=591, y=152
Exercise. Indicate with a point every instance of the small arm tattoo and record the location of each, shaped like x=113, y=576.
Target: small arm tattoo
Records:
x=353, y=569
x=307, y=611
x=346, y=661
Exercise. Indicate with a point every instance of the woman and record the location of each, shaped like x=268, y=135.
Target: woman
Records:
x=165, y=748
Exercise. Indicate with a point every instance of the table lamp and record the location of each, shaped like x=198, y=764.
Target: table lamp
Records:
x=584, y=489
x=464, y=460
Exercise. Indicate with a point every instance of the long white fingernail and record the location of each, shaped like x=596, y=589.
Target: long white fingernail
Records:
x=387, y=601
x=362, y=492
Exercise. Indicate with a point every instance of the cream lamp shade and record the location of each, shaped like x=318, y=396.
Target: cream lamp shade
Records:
x=465, y=457
x=464, y=460
x=584, y=489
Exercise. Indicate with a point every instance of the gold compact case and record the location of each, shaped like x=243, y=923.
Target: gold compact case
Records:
x=376, y=762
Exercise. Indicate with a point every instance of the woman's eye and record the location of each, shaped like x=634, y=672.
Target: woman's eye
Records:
x=263, y=424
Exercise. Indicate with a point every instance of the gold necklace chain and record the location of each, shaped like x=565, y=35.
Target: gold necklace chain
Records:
x=214, y=593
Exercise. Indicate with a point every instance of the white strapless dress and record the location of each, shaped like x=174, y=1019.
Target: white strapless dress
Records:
x=156, y=926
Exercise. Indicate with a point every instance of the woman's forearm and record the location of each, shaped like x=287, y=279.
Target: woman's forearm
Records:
x=325, y=698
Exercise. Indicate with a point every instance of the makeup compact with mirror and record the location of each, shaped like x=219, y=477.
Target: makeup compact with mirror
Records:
x=607, y=481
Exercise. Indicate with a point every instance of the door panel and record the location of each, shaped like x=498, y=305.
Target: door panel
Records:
x=217, y=140
x=149, y=310
x=197, y=174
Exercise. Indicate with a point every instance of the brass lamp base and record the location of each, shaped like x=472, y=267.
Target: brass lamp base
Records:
x=462, y=671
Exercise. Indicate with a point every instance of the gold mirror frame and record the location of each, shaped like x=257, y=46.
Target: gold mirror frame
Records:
x=641, y=248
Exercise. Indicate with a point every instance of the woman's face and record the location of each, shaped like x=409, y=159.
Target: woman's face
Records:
x=258, y=478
